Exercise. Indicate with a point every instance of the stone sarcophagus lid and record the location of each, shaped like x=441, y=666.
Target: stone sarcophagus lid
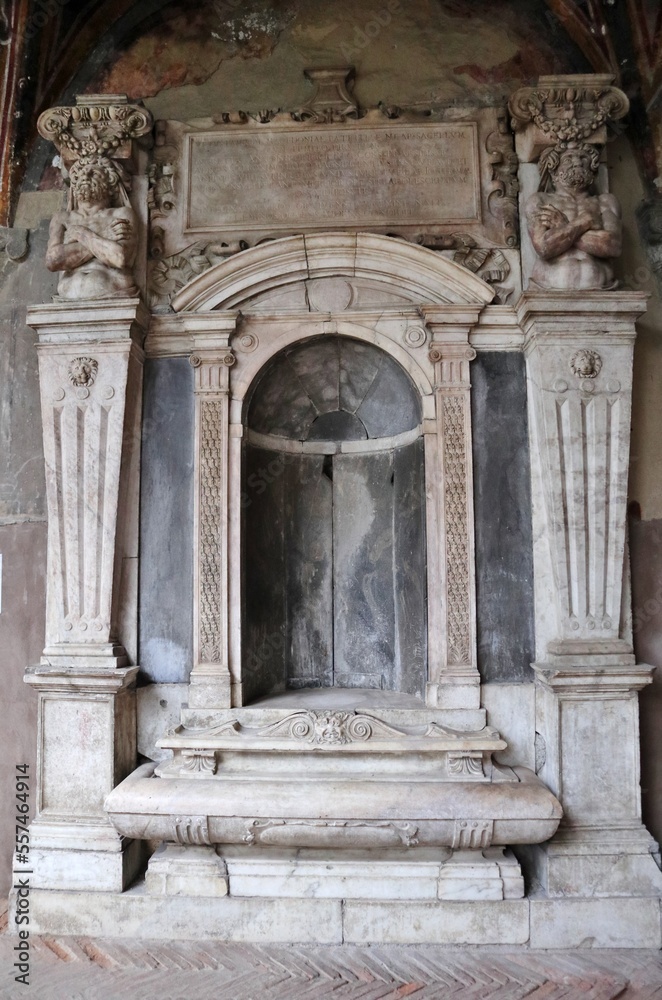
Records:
x=337, y=780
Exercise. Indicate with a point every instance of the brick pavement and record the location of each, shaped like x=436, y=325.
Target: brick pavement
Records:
x=69, y=968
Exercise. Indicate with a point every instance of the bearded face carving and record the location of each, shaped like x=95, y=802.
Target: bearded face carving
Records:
x=574, y=231
x=93, y=245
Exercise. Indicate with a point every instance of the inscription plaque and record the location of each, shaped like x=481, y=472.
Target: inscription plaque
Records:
x=354, y=177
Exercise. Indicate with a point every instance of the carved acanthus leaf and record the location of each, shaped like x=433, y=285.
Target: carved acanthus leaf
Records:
x=201, y=762
x=468, y=765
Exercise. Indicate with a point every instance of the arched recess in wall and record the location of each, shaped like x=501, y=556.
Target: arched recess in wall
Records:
x=426, y=307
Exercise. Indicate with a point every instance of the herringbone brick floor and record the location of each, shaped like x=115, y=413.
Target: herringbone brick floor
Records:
x=95, y=969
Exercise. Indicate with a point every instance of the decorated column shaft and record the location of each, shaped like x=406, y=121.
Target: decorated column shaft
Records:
x=579, y=332
x=90, y=372
x=454, y=681
x=212, y=360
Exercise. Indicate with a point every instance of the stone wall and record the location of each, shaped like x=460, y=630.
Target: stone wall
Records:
x=22, y=526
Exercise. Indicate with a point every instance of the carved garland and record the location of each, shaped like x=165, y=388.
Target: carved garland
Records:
x=567, y=114
x=93, y=127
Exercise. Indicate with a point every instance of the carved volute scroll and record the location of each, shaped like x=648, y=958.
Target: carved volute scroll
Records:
x=564, y=110
x=98, y=125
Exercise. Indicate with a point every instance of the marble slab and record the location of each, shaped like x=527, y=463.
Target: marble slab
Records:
x=353, y=177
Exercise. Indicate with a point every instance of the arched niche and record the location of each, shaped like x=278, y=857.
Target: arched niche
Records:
x=333, y=554
x=417, y=313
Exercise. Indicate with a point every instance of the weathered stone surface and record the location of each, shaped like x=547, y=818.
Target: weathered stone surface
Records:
x=604, y=923
x=327, y=780
x=450, y=923
x=390, y=173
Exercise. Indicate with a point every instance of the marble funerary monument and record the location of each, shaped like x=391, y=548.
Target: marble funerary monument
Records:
x=355, y=310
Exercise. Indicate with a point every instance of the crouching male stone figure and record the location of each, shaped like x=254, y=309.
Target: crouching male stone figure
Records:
x=573, y=231
x=93, y=244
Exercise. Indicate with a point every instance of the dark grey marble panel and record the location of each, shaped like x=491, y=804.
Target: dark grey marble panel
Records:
x=265, y=624
x=166, y=522
x=409, y=569
x=309, y=570
x=364, y=613
x=502, y=499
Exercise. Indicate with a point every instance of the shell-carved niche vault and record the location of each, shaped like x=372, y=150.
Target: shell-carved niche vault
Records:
x=335, y=702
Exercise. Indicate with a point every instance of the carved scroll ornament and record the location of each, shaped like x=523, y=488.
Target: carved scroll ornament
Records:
x=96, y=125
x=567, y=114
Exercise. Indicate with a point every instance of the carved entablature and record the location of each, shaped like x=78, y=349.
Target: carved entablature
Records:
x=443, y=179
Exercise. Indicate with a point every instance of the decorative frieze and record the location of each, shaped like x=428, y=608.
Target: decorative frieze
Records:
x=330, y=730
x=330, y=833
